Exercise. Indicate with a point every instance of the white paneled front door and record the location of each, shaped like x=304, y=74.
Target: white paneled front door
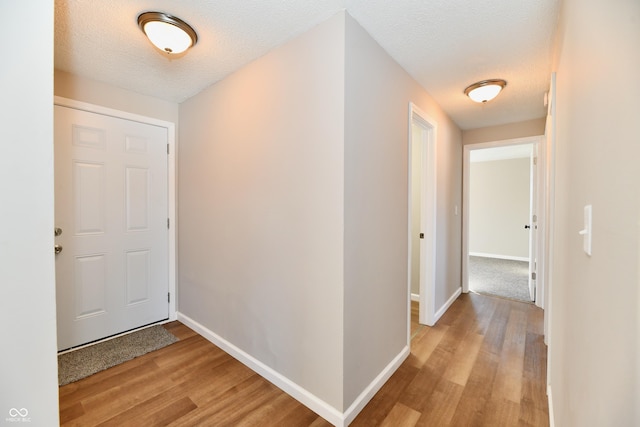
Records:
x=111, y=217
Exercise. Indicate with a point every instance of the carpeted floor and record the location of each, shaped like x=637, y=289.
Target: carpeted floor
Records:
x=86, y=361
x=499, y=277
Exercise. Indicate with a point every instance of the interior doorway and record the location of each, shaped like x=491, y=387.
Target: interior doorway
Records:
x=422, y=214
x=501, y=221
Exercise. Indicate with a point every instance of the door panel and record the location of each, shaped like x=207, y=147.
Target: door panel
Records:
x=89, y=197
x=137, y=199
x=89, y=285
x=138, y=265
x=111, y=204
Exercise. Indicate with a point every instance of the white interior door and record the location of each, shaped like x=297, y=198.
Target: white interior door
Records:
x=111, y=205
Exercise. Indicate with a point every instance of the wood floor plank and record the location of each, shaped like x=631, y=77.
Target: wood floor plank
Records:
x=483, y=309
x=159, y=410
x=401, y=416
x=424, y=382
x=299, y=416
x=76, y=390
x=424, y=343
x=415, y=326
x=71, y=413
x=234, y=405
x=534, y=403
x=463, y=359
x=535, y=322
x=319, y=422
x=535, y=357
x=501, y=412
x=451, y=316
x=198, y=364
x=215, y=382
x=382, y=403
x=472, y=404
x=508, y=382
x=274, y=412
x=494, y=337
x=189, y=349
x=104, y=381
x=441, y=405
x=483, y=364
x=103, y=406
x=181, y=331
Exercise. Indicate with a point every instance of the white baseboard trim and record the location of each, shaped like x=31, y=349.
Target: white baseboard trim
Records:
x=302, y=395
x=446, y=305
x=294, y=390
x=361, y=401
x=508, y=257
x=550, y=399
x=415, y=297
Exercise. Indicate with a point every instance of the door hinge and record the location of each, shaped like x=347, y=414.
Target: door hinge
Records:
x=535, y=161
x=167, y=148
x=168, y=297
x=168, y=223
x=533, y=275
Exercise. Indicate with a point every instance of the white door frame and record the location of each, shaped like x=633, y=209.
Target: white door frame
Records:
x=540, y=196
x=533, y=220
x=550, y=153
x=542, y=213
x=171, y=174
x=428, y=216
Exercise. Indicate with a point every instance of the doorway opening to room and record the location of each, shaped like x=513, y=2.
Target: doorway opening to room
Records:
x=501, y=220
x=422, y=217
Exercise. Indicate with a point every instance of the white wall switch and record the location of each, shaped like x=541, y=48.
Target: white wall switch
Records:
x=586, y=231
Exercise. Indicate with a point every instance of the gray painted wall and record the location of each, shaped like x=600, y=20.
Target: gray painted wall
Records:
x=29, y=369
x=94, y=92
x=595, y=301
x=261, y=209
x=502, y=132
x=378, y=92
x=499, y=193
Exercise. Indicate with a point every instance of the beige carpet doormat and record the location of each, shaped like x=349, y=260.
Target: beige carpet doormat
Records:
x=86, y=361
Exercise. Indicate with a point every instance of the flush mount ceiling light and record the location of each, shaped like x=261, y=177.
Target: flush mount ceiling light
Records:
x=168, y=33
x=485, y=90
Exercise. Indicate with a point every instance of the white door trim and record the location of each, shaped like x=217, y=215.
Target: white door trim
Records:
x=427, y=314
x=533, y=220
x=465, y=197
x=171, y=172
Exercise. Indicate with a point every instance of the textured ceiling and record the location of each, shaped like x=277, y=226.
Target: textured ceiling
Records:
x=444, y=44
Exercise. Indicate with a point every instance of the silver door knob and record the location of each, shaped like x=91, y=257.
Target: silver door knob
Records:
x=57, y=249
x=57, y=231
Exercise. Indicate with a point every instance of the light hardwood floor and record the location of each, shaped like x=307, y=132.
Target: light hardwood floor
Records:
x=483, y=364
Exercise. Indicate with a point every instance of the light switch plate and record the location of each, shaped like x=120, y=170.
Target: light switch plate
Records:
x=586, y=231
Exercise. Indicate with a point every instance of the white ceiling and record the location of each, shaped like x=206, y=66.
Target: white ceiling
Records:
x=444, y=44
